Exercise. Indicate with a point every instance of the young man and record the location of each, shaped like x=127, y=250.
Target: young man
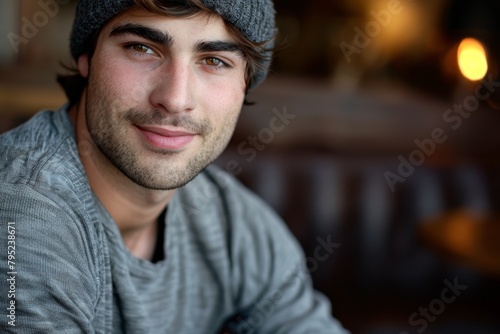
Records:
x=111, y=219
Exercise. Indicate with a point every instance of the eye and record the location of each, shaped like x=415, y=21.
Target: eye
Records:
x=216, y=63
x=141, y=49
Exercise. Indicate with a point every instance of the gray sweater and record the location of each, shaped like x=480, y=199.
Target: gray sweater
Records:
x=230, y=261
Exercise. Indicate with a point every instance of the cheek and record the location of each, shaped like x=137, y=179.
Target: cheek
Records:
x=226, y=110
x=226, y=92
x=227, y=104
x=117, y=82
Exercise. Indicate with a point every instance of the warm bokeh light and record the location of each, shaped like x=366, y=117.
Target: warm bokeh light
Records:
x=472, y=59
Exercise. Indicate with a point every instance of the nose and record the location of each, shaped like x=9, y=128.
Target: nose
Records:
x=174, y=89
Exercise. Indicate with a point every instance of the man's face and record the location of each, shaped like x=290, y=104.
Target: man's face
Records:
x=163, y=95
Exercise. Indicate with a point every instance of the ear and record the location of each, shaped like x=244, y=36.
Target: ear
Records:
x=83, y=65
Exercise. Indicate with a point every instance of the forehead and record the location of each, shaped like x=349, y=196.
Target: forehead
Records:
x=199, y=26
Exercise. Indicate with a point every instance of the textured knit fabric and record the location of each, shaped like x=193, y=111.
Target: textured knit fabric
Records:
x=229, y=259
x=254, y=18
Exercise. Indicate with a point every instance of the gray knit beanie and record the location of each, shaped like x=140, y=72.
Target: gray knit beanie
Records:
x=253, y=18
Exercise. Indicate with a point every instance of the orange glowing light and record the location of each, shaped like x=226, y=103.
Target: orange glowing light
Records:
x=472, y=59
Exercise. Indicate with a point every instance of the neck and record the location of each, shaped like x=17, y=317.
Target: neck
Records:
x=134, y=209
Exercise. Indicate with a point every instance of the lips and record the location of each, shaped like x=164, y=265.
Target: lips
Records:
x=164, y=138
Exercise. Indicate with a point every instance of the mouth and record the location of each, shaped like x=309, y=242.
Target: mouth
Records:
x=166, y=138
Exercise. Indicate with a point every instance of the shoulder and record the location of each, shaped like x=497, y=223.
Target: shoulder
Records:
x=41, y=131
x=268, y=270
x=42, y=154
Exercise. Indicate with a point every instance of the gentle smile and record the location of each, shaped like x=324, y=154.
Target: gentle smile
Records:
x=164, y=138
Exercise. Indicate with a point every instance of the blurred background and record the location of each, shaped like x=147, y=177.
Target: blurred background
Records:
x=377, y=129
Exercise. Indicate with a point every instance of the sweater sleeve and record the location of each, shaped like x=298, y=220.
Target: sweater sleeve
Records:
x=274, y=290
x=51, y=284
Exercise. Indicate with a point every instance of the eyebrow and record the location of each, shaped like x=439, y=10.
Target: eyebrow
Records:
x=153, y=35
x=214, y=46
